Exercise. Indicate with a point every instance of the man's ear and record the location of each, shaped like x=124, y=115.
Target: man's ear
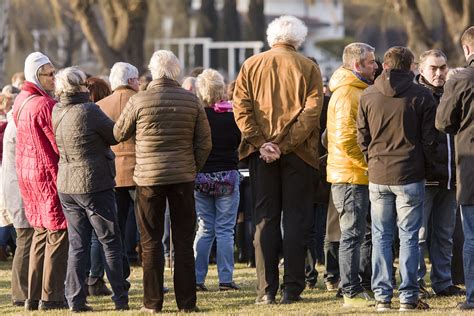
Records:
x=467, y=50
x=356, y=66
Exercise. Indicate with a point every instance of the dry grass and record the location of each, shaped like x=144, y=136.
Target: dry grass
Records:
x=316, y=301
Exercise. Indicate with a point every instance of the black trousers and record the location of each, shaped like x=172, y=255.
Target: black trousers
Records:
x=284, y=185
x=150, y=218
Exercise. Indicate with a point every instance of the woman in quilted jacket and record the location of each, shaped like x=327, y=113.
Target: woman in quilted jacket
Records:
x=217, y=185
x=86, y=175
x=36, y=166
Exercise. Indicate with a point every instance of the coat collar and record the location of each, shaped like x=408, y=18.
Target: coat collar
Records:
x=284, y=46
x=470, y=61
x=163, y=82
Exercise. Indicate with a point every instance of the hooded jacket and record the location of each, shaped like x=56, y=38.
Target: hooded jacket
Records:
x=455, y=115
x=396, y=129
x=444, y=168
x=346, y=163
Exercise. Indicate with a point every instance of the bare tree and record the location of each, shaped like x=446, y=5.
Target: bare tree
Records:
x=122, y=38
x=255, y=21
x=457, y=15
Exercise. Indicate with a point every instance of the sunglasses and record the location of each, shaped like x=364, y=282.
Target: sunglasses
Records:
x=51, y=74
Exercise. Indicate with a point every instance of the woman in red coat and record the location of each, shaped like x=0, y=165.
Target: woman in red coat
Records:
x=37, y=166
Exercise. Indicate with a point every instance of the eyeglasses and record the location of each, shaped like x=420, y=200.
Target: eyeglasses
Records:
x=51, y=74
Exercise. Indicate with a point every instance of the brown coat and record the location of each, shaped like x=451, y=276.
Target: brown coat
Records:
x=278, y=97
x=113, y=106
x=172, y=134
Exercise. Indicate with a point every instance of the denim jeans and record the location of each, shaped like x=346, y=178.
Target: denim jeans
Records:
x=467, y=215
x=84, y=213
x=400, y=205
x=439, y=214
x=352, y=204
x=216, y=220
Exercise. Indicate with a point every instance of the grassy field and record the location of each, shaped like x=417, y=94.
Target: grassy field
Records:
x=315, y=302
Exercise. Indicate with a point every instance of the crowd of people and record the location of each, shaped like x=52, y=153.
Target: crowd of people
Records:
x=373, y=163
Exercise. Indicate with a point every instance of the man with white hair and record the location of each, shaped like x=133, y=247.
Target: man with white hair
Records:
x=277, y=104
x=173, y=140
x=347, y=171
x=37, y=166
x=124, y=83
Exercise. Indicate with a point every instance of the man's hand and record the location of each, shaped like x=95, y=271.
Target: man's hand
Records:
x=270, y=152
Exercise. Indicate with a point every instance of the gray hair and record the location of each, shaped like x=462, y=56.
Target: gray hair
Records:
x=286, y=29
x=189, y=83
x=355, y=52
x=69, y=81
x=120, y=73
x=210, y=86
x=432, y=52
x=164, y=64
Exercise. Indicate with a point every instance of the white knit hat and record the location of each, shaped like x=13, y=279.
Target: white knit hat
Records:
x=32, y=63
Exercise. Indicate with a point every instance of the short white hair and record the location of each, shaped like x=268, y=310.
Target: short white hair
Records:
x=69, y=80
x=355, y=52
x=120, y=73
x=210, y=86
x=164, y=64
x=189, y=83
x=286, y=29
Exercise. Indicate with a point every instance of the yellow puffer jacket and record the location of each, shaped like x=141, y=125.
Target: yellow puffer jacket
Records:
x=346, y=163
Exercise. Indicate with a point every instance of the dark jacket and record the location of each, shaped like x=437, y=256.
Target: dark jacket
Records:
x=83, y=134
x=172, y=134
x=225, y=142
x=396, y=129
x=455, y=115
x=444, y=166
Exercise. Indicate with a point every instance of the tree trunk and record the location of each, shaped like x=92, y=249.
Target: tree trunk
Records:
x=255, y=22
x=4, y=12
x=419, y=39
x=458, y=16
x=125, y=30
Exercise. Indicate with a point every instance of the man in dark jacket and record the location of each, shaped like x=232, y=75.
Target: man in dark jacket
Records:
x=455, y=115
x=439, y=207
x=397, y=136
x=173, y=140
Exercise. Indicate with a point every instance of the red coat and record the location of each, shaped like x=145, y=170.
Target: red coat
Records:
x=37, y=159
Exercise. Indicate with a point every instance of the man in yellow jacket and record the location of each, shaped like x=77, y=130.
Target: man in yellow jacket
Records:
x=347, y=168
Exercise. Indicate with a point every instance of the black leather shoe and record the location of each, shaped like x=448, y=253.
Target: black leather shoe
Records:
x=123, y=307
x=50, y=305
x=18, y=303
x=267, y=299
x=31, y=305
x=200, y=287
x=452, y=290
x=288, y=298
x=228, y=286
x=80, y=309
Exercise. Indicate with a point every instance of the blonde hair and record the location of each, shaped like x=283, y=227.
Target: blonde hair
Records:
x=69, y=81
x=210, y=87
x=164, y=64
x=286, y=29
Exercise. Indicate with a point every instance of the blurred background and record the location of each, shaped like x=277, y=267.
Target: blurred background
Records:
x=94, y=34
